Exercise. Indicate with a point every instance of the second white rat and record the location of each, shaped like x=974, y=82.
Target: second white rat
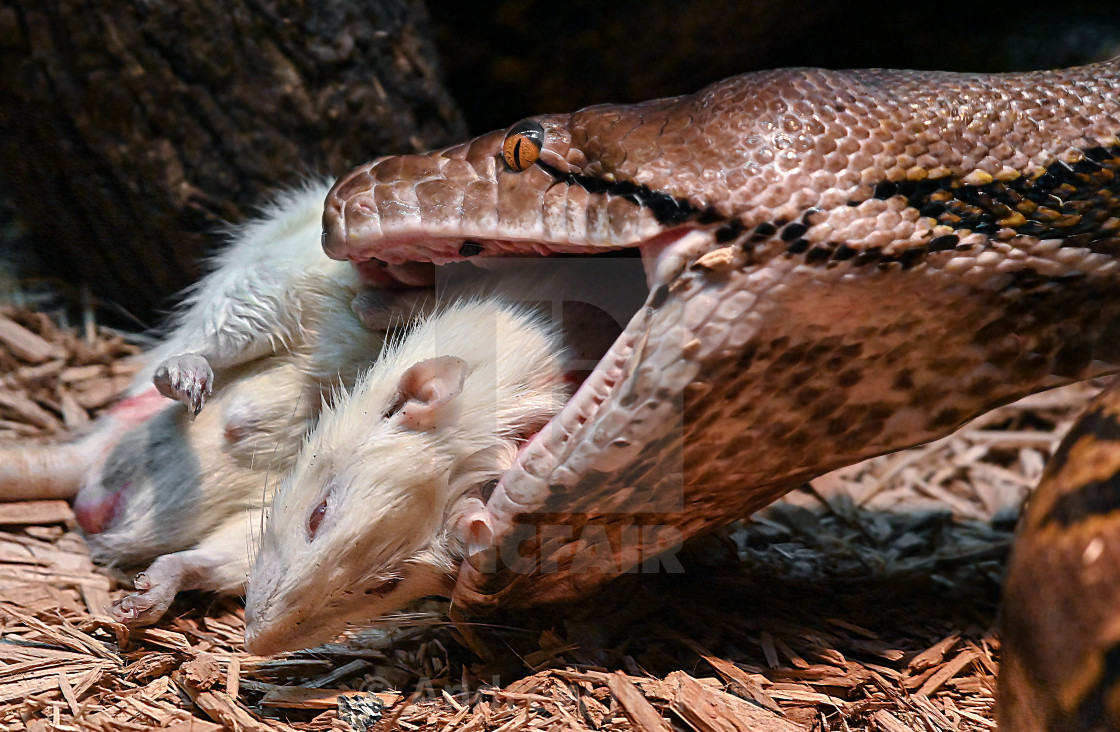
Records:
x=270, y=333
x=378, y=507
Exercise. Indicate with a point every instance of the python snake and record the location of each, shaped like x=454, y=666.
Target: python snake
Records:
x=840, y=264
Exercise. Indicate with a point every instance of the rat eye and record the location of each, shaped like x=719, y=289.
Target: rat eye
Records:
x=385, y=587
x=315, y=519
x=523, y=145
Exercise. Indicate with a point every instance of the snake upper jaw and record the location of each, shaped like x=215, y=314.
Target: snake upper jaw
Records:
x=413, y=261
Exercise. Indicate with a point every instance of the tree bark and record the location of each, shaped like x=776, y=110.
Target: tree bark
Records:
x=131, y=131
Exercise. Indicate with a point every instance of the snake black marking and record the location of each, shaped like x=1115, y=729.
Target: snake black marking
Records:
x=1064, y=202
x=1093, y=714
x=666, y=208
x=1061, y=203
x=1091, y=499
x=1098, y=498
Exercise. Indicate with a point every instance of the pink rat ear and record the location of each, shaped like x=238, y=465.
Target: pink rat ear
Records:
x=427, y=392
x=472, y=527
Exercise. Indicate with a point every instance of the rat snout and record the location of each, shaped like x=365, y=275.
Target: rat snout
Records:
x=287, y=616
x=96, y=510
x=256, y=642
x=263, y=643
x=265, y=636
x=266, y=632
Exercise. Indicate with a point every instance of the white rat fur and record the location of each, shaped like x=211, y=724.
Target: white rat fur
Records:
x=253, y=302
x=249, y=306
x=274, y=320
x=369, y=518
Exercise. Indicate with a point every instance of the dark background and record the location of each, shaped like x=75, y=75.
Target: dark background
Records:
x=515, y=58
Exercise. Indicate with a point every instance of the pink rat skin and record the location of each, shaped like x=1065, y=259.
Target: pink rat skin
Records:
x=257, y=348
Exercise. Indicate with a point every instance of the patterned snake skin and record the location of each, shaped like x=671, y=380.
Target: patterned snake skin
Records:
x=1060, y=668
x=841, y=264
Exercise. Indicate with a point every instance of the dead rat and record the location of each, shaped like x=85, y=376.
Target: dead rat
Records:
x=384, y=496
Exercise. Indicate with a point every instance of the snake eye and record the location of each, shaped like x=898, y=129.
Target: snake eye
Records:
x=315, y=519
x=523, y=145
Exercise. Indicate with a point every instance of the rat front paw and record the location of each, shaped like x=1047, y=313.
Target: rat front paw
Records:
x=147, y=604
x=186, y=378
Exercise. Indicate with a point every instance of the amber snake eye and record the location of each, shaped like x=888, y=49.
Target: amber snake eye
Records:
x=523, y=145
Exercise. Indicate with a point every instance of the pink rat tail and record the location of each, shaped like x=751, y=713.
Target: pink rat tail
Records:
x=36, y=472
x=41, y=472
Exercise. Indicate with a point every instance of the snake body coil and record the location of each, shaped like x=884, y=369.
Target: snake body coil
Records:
x=1060, y=666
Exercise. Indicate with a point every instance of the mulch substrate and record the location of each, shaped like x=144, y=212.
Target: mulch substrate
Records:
x=866, y=601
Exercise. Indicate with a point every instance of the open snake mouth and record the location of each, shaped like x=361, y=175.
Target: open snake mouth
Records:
x=400, y=219
x=596, y=300
x=615, y=249
x=856, y=259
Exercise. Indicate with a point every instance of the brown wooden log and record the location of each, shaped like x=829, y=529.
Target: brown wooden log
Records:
x=131, y=131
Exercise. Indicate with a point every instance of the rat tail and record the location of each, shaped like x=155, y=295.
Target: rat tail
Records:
x=42, y=471
x=56, y=470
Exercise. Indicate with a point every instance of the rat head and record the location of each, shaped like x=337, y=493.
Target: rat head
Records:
x=169, y=480
x=361, y=525
x=383, y=498
x=143, y=499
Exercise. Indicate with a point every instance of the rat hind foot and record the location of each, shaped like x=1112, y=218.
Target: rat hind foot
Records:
x=186, y=378
x=150, y=601
x=219, y=564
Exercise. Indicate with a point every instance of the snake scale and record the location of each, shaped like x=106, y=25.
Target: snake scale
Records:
x=840, y=264
x=1060, y=667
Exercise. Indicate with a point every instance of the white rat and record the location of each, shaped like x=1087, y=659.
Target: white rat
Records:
x=374, y=513
x=250, y=306
x=271, y=331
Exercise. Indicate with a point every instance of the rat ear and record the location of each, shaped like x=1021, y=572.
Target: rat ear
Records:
x=427, y=392
x=472, y=527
